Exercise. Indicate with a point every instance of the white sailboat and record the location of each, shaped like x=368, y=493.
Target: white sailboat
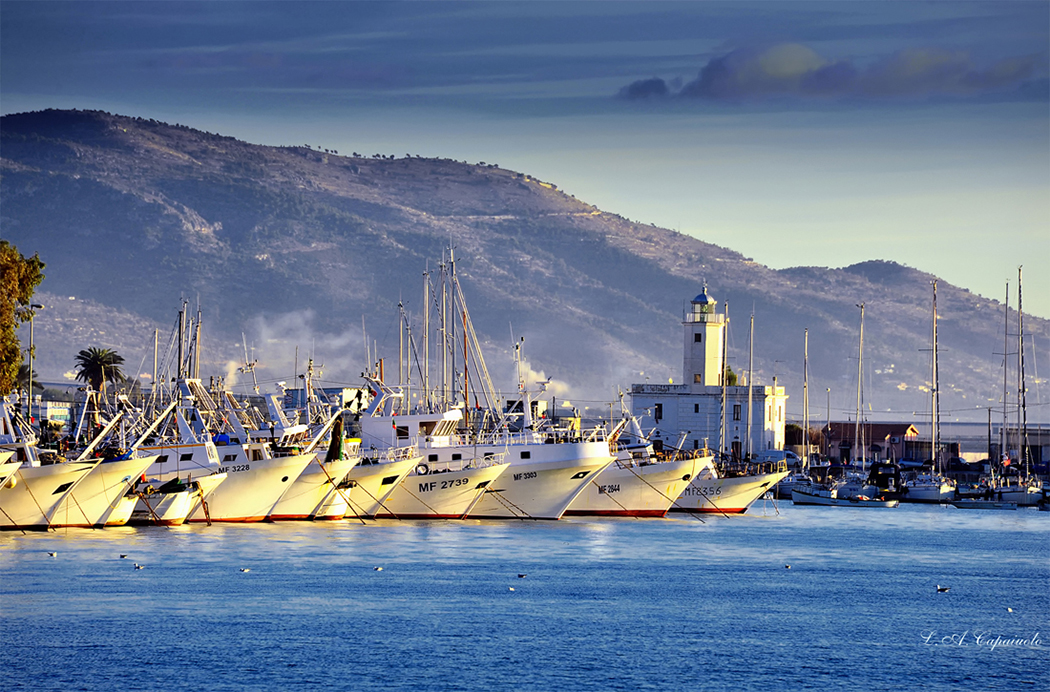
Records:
x=930, y=486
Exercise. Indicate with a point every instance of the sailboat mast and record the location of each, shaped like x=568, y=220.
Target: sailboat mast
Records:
x=750, y=378
x=860, y=385
x=1004, y=439
x=805, y=401
x=1022, y=414
x=936, y=412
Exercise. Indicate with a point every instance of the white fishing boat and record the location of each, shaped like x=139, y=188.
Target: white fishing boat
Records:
x=170, y=504
x=368, y=484
x=640, y=482
x=102, y=497
x=433, y=490
x=548, y=468
x=730, y=491
x=7, y=467
x=316, y=494
x=200, y=440
x=87, y=492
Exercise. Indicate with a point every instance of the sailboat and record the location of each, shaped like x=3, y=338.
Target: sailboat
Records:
x=858, y=491
x=930, y=486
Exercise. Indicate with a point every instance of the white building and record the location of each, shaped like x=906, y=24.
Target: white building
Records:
x=695, y=408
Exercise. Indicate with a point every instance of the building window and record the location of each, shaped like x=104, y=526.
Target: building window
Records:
x=696, y=408
x=696, y=444
x=658, y=411
x=698, y=378
x=697, y=338
x=736, y=411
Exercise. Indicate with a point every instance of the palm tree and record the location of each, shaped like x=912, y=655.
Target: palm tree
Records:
x=97, y=366
x=23, y=378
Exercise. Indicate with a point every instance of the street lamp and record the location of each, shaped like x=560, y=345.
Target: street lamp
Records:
x=29, y=387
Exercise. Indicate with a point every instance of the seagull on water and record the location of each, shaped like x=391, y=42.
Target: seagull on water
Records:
x=123, y=556
x=246, y=569
x=138, y=566
x=378, y=569
x=787, y=566
x=52, y=554
x=512, y=588
x=942, y=589
x=522, y=576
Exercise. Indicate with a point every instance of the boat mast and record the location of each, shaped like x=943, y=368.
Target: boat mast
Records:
x=1004, y=439
x=805, y=402
x=1022, y=413
x=722, y=417
x=426, y=336
x=750, y=377
x=936, y=412
x=860, y=387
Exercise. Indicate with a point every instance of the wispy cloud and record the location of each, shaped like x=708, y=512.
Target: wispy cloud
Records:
x=796, y=70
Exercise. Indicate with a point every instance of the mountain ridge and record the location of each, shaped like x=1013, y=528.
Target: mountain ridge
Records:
x=135, y=214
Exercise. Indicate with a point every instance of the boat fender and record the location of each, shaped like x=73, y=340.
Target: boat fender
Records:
x=686, y=477
x=422, y=470
x=11, y=482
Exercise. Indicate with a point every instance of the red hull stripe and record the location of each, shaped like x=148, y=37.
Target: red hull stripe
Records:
x=706, y=510
x=234, y=520
x=615, y=512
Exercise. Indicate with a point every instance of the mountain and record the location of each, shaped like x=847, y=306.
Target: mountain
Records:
x=296, y=247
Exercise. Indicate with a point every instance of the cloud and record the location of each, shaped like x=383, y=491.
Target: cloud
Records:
x=793, y=69
x=644, y=88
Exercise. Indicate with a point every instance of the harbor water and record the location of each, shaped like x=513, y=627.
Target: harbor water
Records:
x=604, y=604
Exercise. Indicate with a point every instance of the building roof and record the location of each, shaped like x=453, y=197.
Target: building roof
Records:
x=844, y=431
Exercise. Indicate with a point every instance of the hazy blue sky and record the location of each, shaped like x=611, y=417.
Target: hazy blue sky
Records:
x=821, y=133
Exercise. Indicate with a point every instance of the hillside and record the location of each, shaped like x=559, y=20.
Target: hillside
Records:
x=295, y=247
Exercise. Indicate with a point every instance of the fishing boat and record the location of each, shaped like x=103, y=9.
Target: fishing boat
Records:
x=731, y=489
x=369, y=484
x=200, y=441
x=640, y=482
x=86, y=492
x=169, y=504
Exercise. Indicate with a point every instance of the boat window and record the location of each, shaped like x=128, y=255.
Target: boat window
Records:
x=432, y=457
x=457, y=457
x=229, y=457
x=186, y=457
x=526, y=455
x=162, y=458
x=402, y=432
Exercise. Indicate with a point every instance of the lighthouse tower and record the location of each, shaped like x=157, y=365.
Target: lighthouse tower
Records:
x=702, y=353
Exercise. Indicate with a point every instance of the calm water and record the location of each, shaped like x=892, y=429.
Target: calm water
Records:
x=606, y=604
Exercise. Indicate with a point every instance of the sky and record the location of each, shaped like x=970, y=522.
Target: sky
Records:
x=797, y=133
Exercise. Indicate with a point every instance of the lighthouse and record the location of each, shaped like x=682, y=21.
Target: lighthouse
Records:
x=704, y=338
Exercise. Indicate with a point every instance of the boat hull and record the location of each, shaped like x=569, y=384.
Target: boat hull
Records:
x=368, y=485
x=707, y=493
x=635, y=491
x=539, y=490
x=801, y=496
x=448, y=494
x=250, y=490
x=37, y=493
x=315, y=493
x=91, y=502
x=984, y=504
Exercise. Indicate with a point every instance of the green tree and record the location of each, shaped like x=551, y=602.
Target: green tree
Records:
x=99, y=365
x=730, y=377
x=19, y=277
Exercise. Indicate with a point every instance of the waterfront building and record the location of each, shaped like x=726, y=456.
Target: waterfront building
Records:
x=692, y=411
